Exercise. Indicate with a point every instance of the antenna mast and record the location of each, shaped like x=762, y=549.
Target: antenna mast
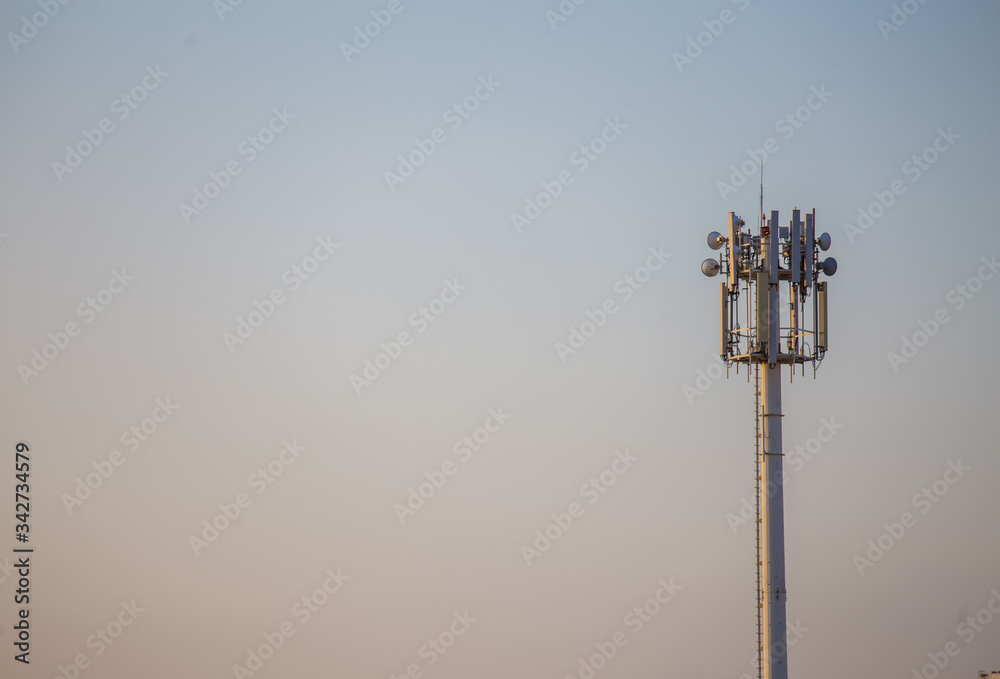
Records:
x=757, y=266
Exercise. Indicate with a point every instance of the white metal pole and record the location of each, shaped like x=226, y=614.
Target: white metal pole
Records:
x=772, y=517
x=772, y=503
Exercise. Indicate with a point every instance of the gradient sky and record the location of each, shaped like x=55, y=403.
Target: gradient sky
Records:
x=887, y=95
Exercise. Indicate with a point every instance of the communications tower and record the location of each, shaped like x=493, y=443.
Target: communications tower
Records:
x=777, y=274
